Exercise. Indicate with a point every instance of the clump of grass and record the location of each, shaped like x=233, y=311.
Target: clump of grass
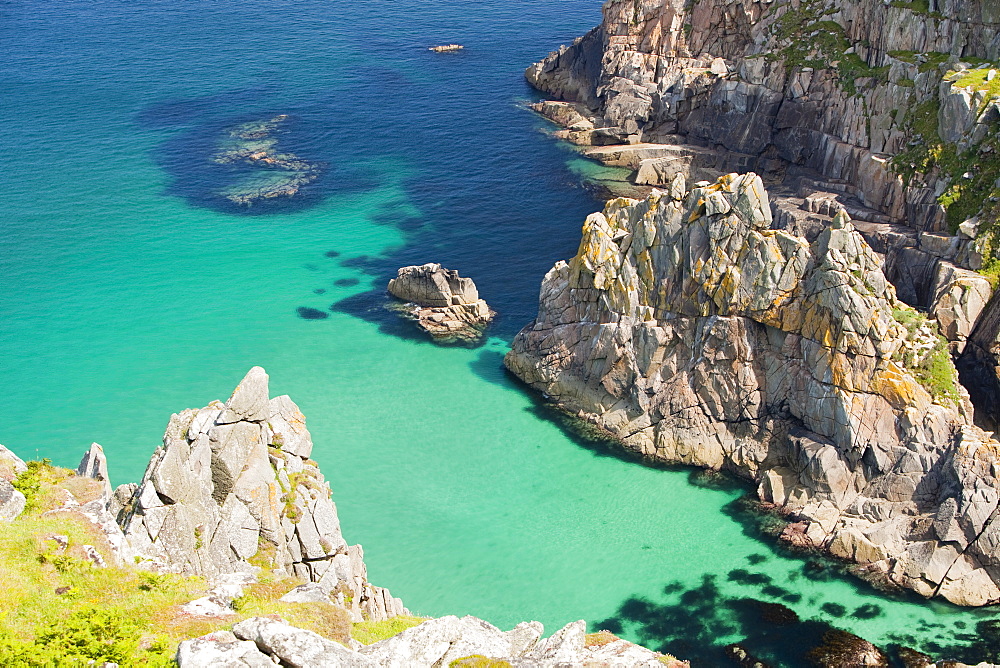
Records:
x=479, y=661
x=932, y=368
x=599, y=639
x=367, y=633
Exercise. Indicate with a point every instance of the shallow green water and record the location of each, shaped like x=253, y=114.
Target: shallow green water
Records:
x=129, y=293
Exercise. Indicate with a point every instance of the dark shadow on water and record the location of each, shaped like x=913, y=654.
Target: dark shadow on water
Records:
x=308, y=313
x=488, y=366
x=370, y=306
x=346, y=282
x=374, y=306
x=695, y=624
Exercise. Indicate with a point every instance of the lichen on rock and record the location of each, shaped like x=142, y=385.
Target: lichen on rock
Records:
x=695, y=333
x=233, y=489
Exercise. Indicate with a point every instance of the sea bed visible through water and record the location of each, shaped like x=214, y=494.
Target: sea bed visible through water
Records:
x=133, y=289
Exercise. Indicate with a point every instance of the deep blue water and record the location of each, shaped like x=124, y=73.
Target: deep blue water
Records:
x=131, y=290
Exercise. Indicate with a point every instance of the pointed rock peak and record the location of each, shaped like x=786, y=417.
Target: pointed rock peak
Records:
x=94, y=464
x=841, y=221
x=249, y=400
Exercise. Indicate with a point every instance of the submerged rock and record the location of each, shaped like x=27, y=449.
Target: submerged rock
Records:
x=444, y=304
x=272, y=173
x=233, y=486
x=695, y=333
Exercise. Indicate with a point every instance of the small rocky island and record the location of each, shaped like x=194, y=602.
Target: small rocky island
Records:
x=442, y=303
x=267, y=172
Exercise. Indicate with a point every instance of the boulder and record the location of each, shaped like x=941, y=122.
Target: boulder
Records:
x=95, y=465
x=443, y=304
x=221, y=649
x=10, y=464
x=296, y=647
x=11, y=501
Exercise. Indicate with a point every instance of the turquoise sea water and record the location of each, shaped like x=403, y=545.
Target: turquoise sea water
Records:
x=131, y=291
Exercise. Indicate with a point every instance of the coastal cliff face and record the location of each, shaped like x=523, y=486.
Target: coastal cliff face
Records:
x=884, y=109
x=233, y=488
x=694, y=332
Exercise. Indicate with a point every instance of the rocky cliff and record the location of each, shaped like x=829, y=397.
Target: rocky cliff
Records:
x=232, y=489
x=694, y=332
x=887, y=110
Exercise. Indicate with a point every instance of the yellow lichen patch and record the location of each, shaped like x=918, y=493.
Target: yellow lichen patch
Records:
x=899, y=388
x=599, y=639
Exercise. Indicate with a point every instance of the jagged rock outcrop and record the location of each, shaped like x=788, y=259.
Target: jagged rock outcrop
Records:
x=436, y=642
x=695, y=333
x=444, y=304
x=887, y=110
x=233, y=488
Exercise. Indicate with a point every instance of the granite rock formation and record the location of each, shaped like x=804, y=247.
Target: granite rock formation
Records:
x=233, y=488
x=11, y=500
x=887, y=110
x=694, y=332
x=443, y=304
x=436, y=642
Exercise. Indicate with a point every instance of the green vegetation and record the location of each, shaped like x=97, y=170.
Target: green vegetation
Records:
x=367, y=633
x=978, y=80
x=95, y=635
x=918, y=6
x=59, y=608
x=973, y=173
x=933, y=369
x=479, y=661
x=818, y=43
x=599, y=639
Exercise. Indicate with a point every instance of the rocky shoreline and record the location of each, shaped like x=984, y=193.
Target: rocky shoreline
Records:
x=773, y=334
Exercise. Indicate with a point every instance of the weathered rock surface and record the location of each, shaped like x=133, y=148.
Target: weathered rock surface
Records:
x=444, y=304
x=436, y=642
x=232, y=486
x=878, y=105
x=10, y=464
x=695, y=333
x=11, y=501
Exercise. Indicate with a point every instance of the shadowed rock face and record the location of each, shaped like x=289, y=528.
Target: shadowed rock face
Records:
x=233, y=486
x=693, y=332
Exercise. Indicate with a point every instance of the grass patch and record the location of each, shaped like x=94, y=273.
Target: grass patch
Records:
x=59, y=609
x=599, y=639
x=813, y=41
x=367, y=633
x=479, y=661
x=932, y=368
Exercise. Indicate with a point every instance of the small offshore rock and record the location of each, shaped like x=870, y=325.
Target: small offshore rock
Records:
x=443, y=304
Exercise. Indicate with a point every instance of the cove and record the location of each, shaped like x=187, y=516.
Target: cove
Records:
x=128, y=297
